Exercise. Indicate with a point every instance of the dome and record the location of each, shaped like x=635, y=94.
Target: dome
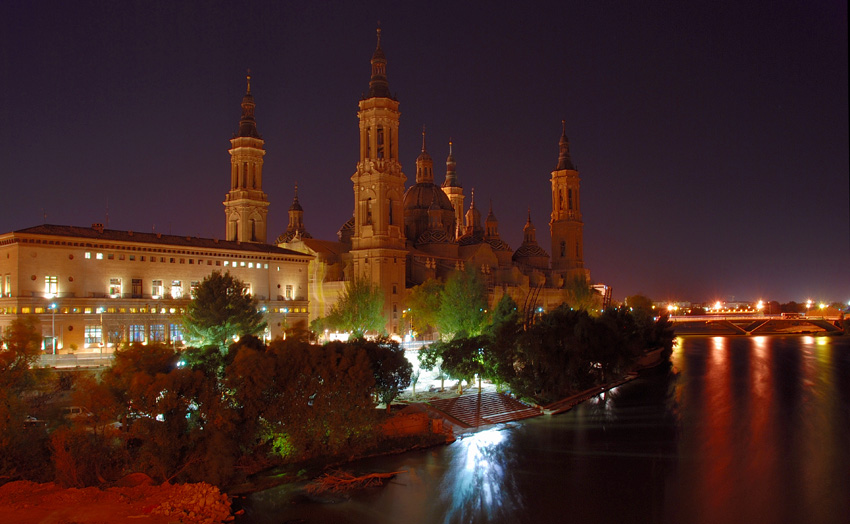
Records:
x=422, y=195
x=530, y=251
x=433, y=236
x=498, y=244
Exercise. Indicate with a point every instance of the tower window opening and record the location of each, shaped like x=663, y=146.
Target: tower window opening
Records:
x=570, y=199
x=380, y=141
x=368, y=211
x=563, y=248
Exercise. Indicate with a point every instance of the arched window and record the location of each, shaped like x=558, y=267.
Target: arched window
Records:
x=368, y=210
x=380, y=141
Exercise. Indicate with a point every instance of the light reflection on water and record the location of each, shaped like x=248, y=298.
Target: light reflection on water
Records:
x=740, y=430
x=479, y=483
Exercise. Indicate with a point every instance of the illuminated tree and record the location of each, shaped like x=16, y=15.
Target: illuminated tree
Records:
x=220, y=310
x=579, y=295
x=424, y=304
x=463, y=306
x=359, y=309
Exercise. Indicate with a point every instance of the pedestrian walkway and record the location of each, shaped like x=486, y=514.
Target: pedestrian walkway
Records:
x=481, y=409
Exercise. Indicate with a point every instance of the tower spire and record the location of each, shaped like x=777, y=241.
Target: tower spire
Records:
x=379, y=87
x=451, y=174
x=424, y=164
x=247, y=124
x=564, y=160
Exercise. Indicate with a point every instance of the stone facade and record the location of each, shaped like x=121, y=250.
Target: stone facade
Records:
x=399, y=238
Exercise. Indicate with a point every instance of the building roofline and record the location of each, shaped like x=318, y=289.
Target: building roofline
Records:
x=95, y=234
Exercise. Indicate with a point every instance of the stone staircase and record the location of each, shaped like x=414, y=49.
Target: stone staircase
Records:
x=481, y=409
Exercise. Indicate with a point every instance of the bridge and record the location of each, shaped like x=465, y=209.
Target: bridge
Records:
x=726, y=325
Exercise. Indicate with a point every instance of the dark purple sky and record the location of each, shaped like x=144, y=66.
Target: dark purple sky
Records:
x=711, y=137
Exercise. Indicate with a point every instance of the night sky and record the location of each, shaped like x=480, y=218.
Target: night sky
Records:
x=711, y=137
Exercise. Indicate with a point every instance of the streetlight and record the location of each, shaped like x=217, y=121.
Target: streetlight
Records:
x=102, y=334
x=53, y=327
x=285, y=311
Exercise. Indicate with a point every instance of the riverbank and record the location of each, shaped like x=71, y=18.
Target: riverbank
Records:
x=25, y=502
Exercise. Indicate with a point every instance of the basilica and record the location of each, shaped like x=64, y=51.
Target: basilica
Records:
x=399, y=237
x=94, y=288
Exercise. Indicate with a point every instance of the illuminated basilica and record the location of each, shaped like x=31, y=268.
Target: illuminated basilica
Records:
x=398, y=238
x=94, y=288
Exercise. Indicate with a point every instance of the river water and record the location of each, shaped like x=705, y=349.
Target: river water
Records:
x=737, y=430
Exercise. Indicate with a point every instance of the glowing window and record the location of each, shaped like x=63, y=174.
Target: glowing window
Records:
x=51, y=286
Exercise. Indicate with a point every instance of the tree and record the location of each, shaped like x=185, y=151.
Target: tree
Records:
x=579, y=294
x=359, y=309
x=463, y=306
x=23, y=449
x=463, y=357
x=639, y=302
x=424, y=304
x=220, y=310
x=391, y=368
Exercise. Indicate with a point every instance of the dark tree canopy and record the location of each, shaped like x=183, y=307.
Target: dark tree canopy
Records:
x=221, y=310
x=391, y=369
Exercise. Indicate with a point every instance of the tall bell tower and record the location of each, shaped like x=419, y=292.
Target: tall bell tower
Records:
x=378, y=244
x=246, y=206
x=565, y=225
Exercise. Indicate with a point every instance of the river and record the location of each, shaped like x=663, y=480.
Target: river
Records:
x=737, y=430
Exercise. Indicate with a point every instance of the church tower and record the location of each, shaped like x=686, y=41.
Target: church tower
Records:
x=453, y=190
x=566, y=225
x=378, y=243
x=246, y=206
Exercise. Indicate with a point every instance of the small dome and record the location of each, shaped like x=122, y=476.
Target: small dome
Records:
x=498, y=244
x=433, y=236
x=530, y=251
x=348, y=226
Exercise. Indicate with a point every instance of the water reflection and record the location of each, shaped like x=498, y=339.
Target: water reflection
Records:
x=758, y=433
x=480, y=484
x=738, y=430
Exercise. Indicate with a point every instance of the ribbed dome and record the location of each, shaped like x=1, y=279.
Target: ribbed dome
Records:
x=421, y=196
x=289, y=235
x=498, y=244
x=530, y=250
x=347, y=227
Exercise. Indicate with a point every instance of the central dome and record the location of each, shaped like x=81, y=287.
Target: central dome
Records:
x=420, y=196
x=418, y=200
